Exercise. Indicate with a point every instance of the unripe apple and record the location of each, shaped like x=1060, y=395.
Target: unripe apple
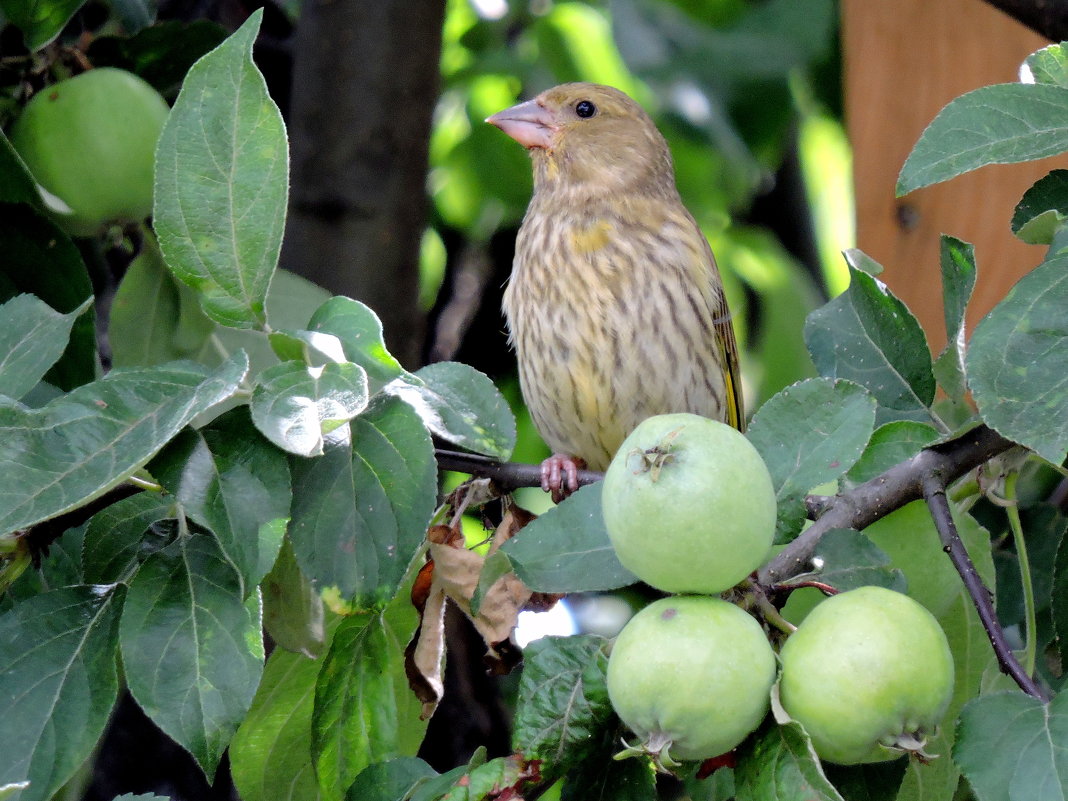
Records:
x=688, y=504
x=869, y=674
x=691, y=677
x=90, y=141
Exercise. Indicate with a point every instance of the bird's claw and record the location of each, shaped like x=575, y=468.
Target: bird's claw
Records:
x=553, y=472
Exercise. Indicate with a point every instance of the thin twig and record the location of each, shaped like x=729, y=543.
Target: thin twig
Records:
x=934, y=492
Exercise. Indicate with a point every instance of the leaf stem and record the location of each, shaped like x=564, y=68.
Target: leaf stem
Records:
x=144, y=484
x=1012, y=509
x=772, y=615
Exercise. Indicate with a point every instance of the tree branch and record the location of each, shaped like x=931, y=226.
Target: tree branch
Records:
x=934, y=492
x=900, y=485
x=507, y=475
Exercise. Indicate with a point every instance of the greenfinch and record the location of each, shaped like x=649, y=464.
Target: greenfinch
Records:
x=615, y=306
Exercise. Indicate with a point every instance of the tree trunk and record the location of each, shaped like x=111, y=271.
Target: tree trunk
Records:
x=365, y=82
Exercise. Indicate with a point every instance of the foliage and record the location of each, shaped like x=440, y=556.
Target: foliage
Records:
x=256, y=454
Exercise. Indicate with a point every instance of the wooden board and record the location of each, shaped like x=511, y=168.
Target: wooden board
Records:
x=903, y=61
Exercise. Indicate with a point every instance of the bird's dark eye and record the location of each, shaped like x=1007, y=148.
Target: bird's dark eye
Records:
x=585, y=109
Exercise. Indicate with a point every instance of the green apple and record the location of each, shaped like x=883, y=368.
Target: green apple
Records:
x=688, y=504
x=869, y=674
x=90, y=142
x=691, y=677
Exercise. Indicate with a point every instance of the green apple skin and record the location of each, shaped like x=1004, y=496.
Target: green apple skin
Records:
x=691, y=675
x=91, y=141
x=689, y=505
x=864, y=668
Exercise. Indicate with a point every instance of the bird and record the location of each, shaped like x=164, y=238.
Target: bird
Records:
x=614, y=305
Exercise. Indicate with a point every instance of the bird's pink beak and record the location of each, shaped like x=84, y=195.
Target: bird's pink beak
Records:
x=530, y=124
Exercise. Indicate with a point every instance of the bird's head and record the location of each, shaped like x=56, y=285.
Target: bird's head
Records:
x=583, y=135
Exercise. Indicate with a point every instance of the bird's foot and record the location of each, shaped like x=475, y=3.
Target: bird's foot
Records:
x=555, y=470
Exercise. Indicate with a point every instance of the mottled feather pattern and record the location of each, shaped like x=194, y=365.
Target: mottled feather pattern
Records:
x=609, y=336
x=615, y=305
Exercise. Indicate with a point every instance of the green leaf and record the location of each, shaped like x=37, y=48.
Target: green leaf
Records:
x=16, y=183
x=461, y=405
x=563, y=706
x=778, y=762
x=909, y=537
x=355, y=720
x=57, y=668
x=162, y=53
x=295, y=405
x=848, y=560
x=82, y=444
x=1042, y=209
x=41, y=260
x=360, y=510
x=879, y=781
x=567, y=549
x=270, y=756
x=717, y=787
x=61, y=566
x=114, y=536
x=1041, y=228
x=193, y=651
x=1059, y=596
x=311, y=347
x=401, y=620
x=154, y=317
x=392, y=780
x=434, y=789
x=1044, y=527
x=1002, y=124
x=1049, y=65
x=1018, y=362
x=958, y=280
x=496, y=566
x=809, y=434
x=222, y=173
x=870, y=337
x=39, y=20
x=32, y=339
x=490, y=781
x=360, y=332
x=290, y=301
x=292, y=609
x=889, y=445
x=606, y=780
x=231, y=481
x=134, y=14
x=1010, y=746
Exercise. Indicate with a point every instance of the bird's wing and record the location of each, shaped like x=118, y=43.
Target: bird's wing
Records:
x=731, y=371
x=723, y=326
